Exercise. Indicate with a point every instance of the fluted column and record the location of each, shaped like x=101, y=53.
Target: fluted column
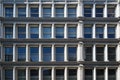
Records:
x=53, y=73
x=40, y=10
x=14, y=52
x=40, y=31
x=27, y=52
x=94, y=73
x=27, y=73
x=66, y=73
x=106, y=53
x=93, y=10
x=40, y=53
x=14, y=10
x=106, y=73
x=14, y=73
x=14, y=30
x=53, y=52
x=65, y=53
x=40, y=73
x=94, y=52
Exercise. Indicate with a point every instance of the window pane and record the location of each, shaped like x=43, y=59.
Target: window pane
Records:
x=8, y=53
x=71, y=12
x=99, y=11
x=111, y=11
x=88, y=74
x=59, y=53
x=72, y=53
x=46, y=53
x=87, y=11
x=59, y=74
x=71, y=32
x=46, y=12
x=8, y=12
x=100, y=74
x=47, y=32
x=46, y=74
x=8, y=32
x=111, y=53
x=100, y=53
x=34, y=32
x=72, y=74
x=111, y=32
x=87, y=32
x=59, y=32
x=88, y=53
x=111, y=74
x=59, y=12
x=21, y=74
x=34, y=12
x=99, y=32
x=21, y=53
x=21, y=32
x=34, y=51
x=34, y=74
x=21, y=12
x=8, y=74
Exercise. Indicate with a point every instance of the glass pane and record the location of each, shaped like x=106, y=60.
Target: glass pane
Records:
x=34, y=12
x=72, y=74
x=71, y=12
x=34, y=32
x=9, y=12
x=21, y=12
x=88, y=74
x=21, y=32
x=100, y=53
x=59, y=32
x=111, y=53
x=72, y=32
x=59, y=12
x=99, y=32
x=111, y=32
x=8, y=53
x=72, y=53
x=87, y=32
x=59, y=74
x=46, y=53
x=21, y=74
x=46, y=32
x=99, y=12
x=100, y=74
x=34, y=74
x=8, y=74
x=21, y=53
x=46, y=74
x=8, y=32
x=88, y=53
x=59, y=53
x=46, y=12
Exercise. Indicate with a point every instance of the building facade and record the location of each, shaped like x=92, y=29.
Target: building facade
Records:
x=59, y=40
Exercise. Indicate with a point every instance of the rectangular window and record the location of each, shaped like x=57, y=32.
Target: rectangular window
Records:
x=34, y=32
x=21, y=53
x=8, y=53
x=72, y=32
x=72, y=53
x=34, y=54
x=100, y=74
x=111, y=11
x=88, y=53
x=59, y=32
x=72, y=74
x=71, y=11
x=111, y=31
x=59, y=52
x=100, y=53
x=59, y=12
x=21, y=12
x=47, y=74
x=21, y=74
x=46, y=53
x=59, y=74
x=88, y=11
x=8, y=12
x=88, y=31
x=88, y=74
x=21, y=32
x=111, y=53
x=111, y=74
x=34, y=12
x=99, y=11
x=8, y=74
x=8, y=32
x=47, y=32
x=99, y=32
x=47, y=12
x=34, y=74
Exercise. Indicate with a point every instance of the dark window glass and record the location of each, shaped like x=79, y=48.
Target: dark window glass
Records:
x=111, y=74
x=34, y=51
x=46, y=74
x=87, y=32
x=59, y=32
x=99, y=32
x=59, y=53
x=71, y=32
x=88, y=53
x=21, y=53
x=111, y=11
x=46, y=53
x=8, y=12
x=59, y=12
x=34, y=74
x=34, y=12
x=21, y=74
x=72, y=74
x=59, y=74
x=111, y=32
x=34, y=32
x=21, y=32
x=21, y=12
x=99, y=11
x=88, y=74
x=87, y=11
x=8, y=74
x=8, y=32
x=8, y=53
x=47, y=32
x=100, y=74
x=72, y=53
x=46, y=12
x=111, y=53
x=71, y=12
x=100, y=53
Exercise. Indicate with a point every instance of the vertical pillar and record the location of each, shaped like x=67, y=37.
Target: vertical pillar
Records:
x=14, y=10
x=53, y=32
x=40, y=10
x=94, y=73
x=117, y=52
x=105, y=31
x=94, y=52
x=118, y=73
x=94, y=10
x=81, y=51
x=27, y=53
x=106, y=53
x=105, y=10
x=78, y=30
x=14, y=73
x=53, y=73
x=94, y=31
x=14, y=30
x=27, y=73
x=65, y=75
x=78, y=52
x=80, y=73
x=27, y=30
x=40, y=73
x=117, y=31
x=14, y=52
x=40, y=31
x=78, y=9
x=106, y=73
x=65, y=11
x=81, y=29
x=53, y=52
x=27, y=10
x=53, y=10
x=117, y=10
x=40, y=53
x=65, y=53
x=65, y=31
x=81, y=9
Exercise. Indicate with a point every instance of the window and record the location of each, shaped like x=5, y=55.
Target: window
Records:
x=59, y=12
x=88, y=53
x=46, y=53
x=34, y=51
x=72, y=53
x=46, y=12
x=111, y=74
x=34, y=74
x=21, y=53
x=8, y=32
x=34, y=32
x=72, y=32
x=111, y=53
x=8, y=53
x=21, y=12
x=99, y=11
x=88, y=74
x=111, y=11
x=111, y=31
x=8, y=74
x=71, y=12
x=47, y=74
x=59, y=53
x=88, y=11
x=100, y=74
x=99, y=32
x=59, y=74
x=72, y=74
x=59, y=32
x=47, y=32
x=100, y=53
x=21, y=74
x=21, y=31
x=34, y=12
x=8, y=12
x=88, y=31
